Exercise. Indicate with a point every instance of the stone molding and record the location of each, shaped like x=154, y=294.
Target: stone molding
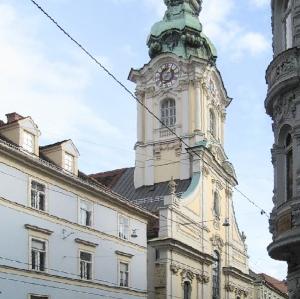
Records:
x=128, y=255
x=86, y=243
x=237, y=290
x=217, y=241
x=188, y=274
x=38, y=229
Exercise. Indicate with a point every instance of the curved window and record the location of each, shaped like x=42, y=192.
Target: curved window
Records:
x=216, y=276
x=285, y=165
x=217, y=209
x=187, y=290
x=212, y=123
x=289, y=167
x=168, y=112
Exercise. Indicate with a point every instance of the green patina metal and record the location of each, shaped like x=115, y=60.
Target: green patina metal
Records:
x=193, y=186
x=180, y=32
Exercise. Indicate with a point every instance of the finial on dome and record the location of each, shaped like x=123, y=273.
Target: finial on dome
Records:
x=196, y=5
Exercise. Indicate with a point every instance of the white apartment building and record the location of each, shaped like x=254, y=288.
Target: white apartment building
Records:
x=63, y=235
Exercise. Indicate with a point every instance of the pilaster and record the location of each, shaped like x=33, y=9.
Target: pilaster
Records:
x=198, y=106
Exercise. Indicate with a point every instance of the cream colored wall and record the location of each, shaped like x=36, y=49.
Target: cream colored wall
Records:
x=63, y=184
x=12, y=133
x=15, y=132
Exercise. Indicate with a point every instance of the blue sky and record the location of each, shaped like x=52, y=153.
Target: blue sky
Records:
x=44, y=75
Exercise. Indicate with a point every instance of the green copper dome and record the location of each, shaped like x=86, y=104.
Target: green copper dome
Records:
x=180, y=32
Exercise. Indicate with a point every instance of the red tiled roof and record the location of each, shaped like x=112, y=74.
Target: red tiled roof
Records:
x=109, y=178
x=281, y=286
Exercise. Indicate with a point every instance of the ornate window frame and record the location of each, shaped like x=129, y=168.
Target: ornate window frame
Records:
x=168, y=114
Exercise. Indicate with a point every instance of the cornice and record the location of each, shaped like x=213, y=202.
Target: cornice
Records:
x=61, y=221
x=41, y=165
x=38, y=229
x=231, y=271
x=183, y=249
x=86, y=243
x=67, y=280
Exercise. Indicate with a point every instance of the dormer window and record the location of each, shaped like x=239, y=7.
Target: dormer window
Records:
x=28, y=142
x=69, y=162
x=168, y=112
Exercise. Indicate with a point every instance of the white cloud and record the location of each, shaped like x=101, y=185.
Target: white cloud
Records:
x=229, y=34
x=253, y=42
x=158, y=6
x=50, y=90
x=260, y=3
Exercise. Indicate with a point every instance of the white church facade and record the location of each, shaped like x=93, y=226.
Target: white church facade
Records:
x=195, y=250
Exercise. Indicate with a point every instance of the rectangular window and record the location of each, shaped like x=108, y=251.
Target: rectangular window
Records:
x=38, y=196
x=39, y=297
x=86, y=209
x=38, y=255
x=124, y=274
x=28, y=142
x=86, y=265
x=288, y=31
x=123, y=227
x=69, y=162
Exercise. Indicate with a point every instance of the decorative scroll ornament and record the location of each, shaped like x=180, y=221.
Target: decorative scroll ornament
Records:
x=187, y=275
x=284, y=108
x=232, y=288
x=174, y=268
x=202, y=278
x=217, y=241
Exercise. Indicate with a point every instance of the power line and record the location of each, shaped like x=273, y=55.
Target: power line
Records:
x=57, y=287
x=94, y=59
x=68, y=273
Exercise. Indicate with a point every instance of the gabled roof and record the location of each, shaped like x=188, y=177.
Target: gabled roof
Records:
x=121, y=181
x=53, y=144
x=281, y=286
x=82, y=179
x=275, y=284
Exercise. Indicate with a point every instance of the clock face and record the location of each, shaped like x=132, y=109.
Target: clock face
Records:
x=167, y=75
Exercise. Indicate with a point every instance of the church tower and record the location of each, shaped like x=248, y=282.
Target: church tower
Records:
x=283, y=105
x=183, y=88
x=198, y=250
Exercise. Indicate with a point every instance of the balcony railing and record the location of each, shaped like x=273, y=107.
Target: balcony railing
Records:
x=285, y=66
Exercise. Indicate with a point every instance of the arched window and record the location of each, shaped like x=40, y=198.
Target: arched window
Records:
x=217, y=209
x=287, y=24
x=187, y=290
x=289, y=166
x=216, y=276
x=212, y=123
x=168, y=112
